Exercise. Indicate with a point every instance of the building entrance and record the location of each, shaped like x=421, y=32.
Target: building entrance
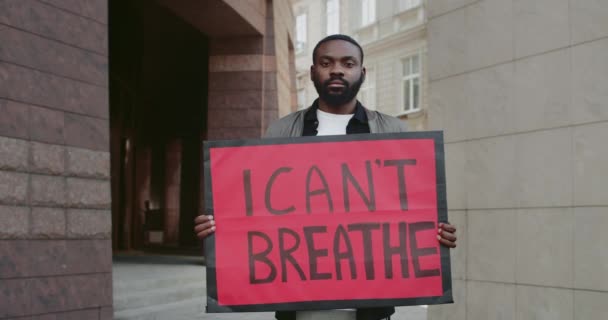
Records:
x=158, y=109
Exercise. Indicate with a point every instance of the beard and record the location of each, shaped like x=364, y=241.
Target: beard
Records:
x=336, y=99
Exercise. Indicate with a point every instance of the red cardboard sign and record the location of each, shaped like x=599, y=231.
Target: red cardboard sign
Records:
x=326, y=222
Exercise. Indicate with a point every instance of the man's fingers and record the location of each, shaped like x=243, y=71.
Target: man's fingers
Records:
x=448, y=236
x=202, y=219
x=203, y=226
x=447, y=243
x=203, y=230
x=203, y=234
x=447, y=227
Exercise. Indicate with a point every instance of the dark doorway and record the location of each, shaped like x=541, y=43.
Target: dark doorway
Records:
x=158, y=109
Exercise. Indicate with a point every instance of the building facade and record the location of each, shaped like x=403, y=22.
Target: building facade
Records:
x=104, y=106
x=392, y=34
x=520, y=89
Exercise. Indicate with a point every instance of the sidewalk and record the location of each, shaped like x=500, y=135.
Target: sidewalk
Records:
x=156, y=287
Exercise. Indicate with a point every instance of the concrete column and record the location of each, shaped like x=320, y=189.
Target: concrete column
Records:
x=143, y=163
x=173, y=164
x=236, y=81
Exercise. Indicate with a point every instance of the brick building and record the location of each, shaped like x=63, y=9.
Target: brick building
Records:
x=124, y=89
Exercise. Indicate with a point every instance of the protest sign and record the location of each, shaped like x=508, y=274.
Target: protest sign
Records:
x=326, y=222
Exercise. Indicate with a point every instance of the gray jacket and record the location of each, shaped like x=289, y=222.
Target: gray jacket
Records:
x=292, y=125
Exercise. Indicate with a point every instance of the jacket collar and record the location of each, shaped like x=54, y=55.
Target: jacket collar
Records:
x=360, y=114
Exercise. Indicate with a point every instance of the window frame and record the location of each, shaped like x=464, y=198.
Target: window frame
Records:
x=337, y=16
x=410, y=77
x=370, y=18
x=301, y=45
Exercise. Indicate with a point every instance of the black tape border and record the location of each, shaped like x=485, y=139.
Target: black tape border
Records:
x=442, y=211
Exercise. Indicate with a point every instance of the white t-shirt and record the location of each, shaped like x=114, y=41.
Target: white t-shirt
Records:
x=330, y=124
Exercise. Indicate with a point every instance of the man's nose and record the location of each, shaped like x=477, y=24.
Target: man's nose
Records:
x=337, y=71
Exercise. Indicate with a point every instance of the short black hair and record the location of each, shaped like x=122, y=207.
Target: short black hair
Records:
x=342, y=37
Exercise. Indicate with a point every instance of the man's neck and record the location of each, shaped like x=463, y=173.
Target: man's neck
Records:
x=347, y=108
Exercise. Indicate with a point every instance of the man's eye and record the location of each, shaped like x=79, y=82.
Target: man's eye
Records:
x=324, y=64
x=350, y=64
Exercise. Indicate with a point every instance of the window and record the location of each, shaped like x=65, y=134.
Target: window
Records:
x=301, y=36
x=408, y=4
x=333, y=16
x=301, y=99
x=368, y=12
x=367, y=94
x=410, y=83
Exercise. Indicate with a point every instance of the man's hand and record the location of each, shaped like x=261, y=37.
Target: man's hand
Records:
x=446, y=235
x=204, y=226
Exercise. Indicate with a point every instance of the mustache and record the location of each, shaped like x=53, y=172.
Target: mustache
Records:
x=344, y=82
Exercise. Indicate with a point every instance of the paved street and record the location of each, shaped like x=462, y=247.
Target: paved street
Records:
x=173, y=287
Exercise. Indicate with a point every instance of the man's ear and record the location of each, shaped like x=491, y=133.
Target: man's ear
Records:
x=312, y=70
x=363, y=73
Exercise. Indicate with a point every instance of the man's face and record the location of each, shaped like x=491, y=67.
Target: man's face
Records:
x=337, y=72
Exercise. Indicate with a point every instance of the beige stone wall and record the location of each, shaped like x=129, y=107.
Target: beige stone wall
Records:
x=387, y=65
x=316, y=31
x=521, y=90
x=392, y=37
x=284, y=37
